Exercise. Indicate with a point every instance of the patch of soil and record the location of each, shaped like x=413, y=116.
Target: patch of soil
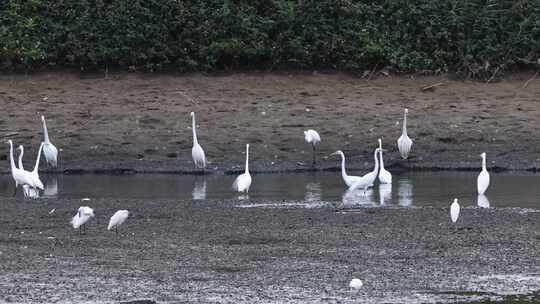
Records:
x=141, y=122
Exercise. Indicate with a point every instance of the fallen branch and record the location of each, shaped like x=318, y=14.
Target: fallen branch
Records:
x=431, y=87
x=528, y=81
x=373, y=71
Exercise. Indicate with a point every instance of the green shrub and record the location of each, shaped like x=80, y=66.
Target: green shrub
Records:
x=475, y=37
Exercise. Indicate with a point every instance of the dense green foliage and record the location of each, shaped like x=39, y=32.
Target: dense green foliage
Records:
x=472, y=36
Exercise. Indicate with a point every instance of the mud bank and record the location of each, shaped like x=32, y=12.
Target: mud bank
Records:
x=217, y=252
x=140, y=123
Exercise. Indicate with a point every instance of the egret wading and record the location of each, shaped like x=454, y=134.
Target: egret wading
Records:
x=49, y=150
x=18, y=175
x=404, y=142
x=482, y=183
x=312, y=137
x=197, y=152
x=118, y=218
x=30, y=190
x=348, y=179
x=385, y=177
x=368, y=179
x=243, y=181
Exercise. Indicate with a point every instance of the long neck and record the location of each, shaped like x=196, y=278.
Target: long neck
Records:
x=45, y=132
x=11, y=160
x=376, y=161
x=484, y=162
x=20, y=159
x=404, y=131
x=194, y=131
x=247, y=159
x=343, y=172
x=380, y=157
x=38, y=158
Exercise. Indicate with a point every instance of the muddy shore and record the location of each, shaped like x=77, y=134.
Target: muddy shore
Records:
x=216, y=252
x=140, y=123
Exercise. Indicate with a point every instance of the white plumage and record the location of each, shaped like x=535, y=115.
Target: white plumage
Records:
x=454, y=211
x=367, y=180
x=385, y=177
x=312, y=137
x=404, y=142
x=482, y=182
x=356, y=284
x=348, y=179
x=19, y=175
x=482, y=201
x=197, y=152
x=33, y=175
x=49, y=150
x=84, y=214
x=243, y=181
x=118, y=218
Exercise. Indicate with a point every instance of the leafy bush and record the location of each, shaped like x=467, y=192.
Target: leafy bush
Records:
x=476, y=37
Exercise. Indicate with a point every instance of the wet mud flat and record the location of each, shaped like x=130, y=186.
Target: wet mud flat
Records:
x=228, y=252
x=140, y=122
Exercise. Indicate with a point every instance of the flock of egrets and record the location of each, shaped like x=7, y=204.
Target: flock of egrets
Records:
x=31, y=183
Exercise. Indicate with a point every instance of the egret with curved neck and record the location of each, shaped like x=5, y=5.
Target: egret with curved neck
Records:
x=404, y=142
x=243, y=181
x=197, y=152
x=348, y=179
x=367, y=180
x=482, y=182
x=385, y=177
x=49, y=150
x=18, y=175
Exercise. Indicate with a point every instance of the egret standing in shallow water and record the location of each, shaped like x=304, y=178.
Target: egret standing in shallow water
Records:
x=348, y=179
x=454, y=210
x=31, y=190
x=84, y=214
x=49, y=150
x=385, y=177
x=243, y=181
x=118, y=218
x=368, y=179
x=19, y=175
x=404, y=142
x=482, y=182
x=197, y=152
x=313, y=138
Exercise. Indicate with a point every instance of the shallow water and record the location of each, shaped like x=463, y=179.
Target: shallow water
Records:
x=419, y=189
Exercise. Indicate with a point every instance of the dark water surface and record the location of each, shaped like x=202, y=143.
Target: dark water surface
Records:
x=417, y=189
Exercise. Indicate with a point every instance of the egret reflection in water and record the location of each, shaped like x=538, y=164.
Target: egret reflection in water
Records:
x=385, y=193
x=51, y=187
x=313, y=192
x=405, y=192
x=483, y=201
x=357, y=197
x=199, y=189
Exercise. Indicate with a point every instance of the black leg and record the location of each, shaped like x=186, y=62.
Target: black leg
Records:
x=15, y=192
x=116, y=228
x=314, y=156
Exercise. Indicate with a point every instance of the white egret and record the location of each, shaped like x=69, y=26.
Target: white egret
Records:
x=33, y=175
x=404, y=142
x=312, y=137
x=356, y=284
x=49, y=150
x=18, y=175
x=27, y=190
x=368, y=179
x=348, y=179
x=197, y=152
x=482, y=182
x=243, y=181
x=482, y=201
x=385, y=177
x=84, y=214
x=454, y=210
x=118, y=218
